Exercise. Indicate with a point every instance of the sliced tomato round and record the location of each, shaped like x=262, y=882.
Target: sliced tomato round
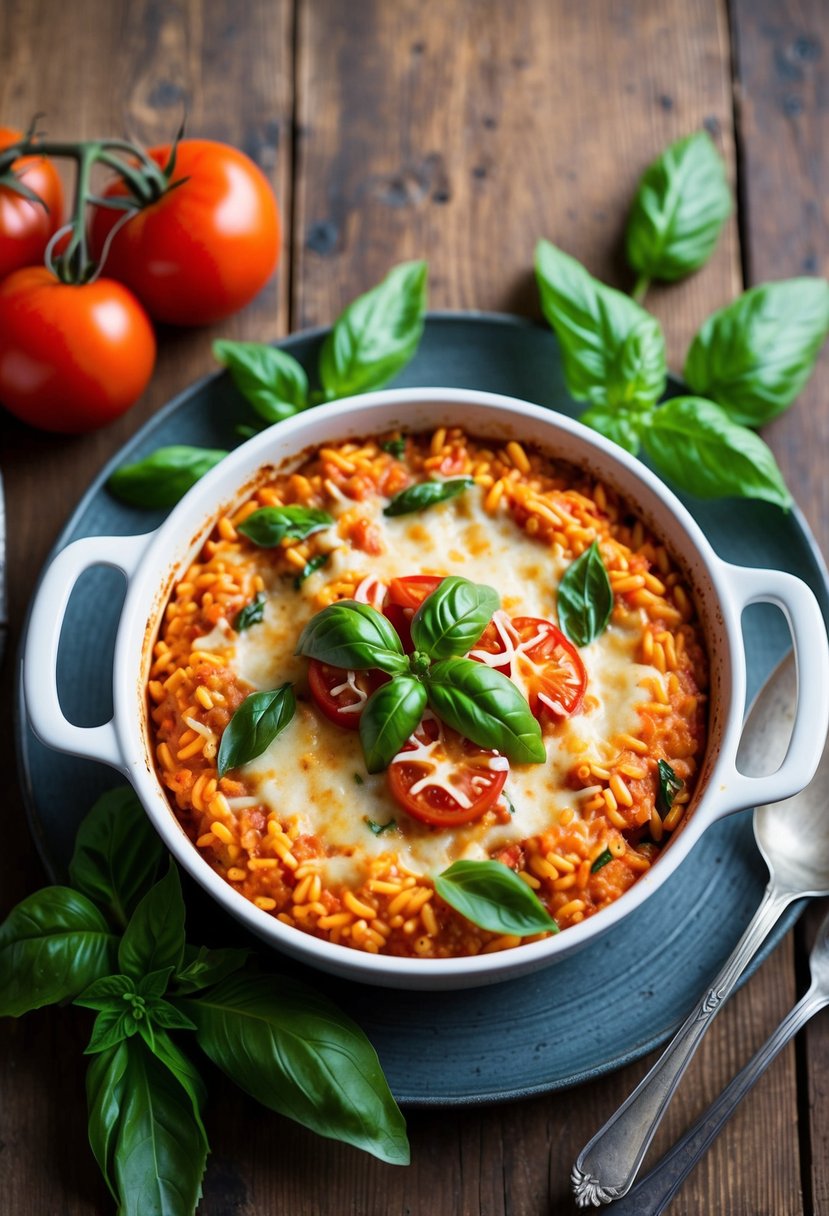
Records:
x=341, y=694
x=537, y=656
x=443, y=779
x=405, y=595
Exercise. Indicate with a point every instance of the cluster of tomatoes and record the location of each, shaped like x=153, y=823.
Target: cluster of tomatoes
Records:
x=78, y=349
x=439, y=777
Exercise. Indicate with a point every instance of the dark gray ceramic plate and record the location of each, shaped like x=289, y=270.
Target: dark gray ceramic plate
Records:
x=614, y=1000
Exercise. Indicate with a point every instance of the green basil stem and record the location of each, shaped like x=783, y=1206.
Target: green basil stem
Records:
x=640, y=288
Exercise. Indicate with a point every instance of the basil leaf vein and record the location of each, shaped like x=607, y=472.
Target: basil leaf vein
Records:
x=353, y=636
x=486, y=707
x=389, y=717
x=257, y=722
x=696, y=445
x=272, y=381
x=492, y=896
x=269, y=526
x=585, y=598
x=162, y=478
x=679, y=209
x=755, y=355
x=424, y=494
x=613, y=351
x=452, y=618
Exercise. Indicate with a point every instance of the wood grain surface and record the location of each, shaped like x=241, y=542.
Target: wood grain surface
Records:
x=459, y=131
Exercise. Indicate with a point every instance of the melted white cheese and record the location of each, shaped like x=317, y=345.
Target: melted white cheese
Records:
x=313, y=774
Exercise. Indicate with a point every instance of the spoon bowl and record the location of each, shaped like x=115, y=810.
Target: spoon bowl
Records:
x=792, y=835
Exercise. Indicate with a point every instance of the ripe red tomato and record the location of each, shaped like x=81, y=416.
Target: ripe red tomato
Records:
x=404, y=597
x=72, y=358
x=206, y=247
x=342, y=694
x=543, y=663
x=26, y=227
x=443, y=779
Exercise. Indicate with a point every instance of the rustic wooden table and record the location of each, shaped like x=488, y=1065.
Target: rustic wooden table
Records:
x=461, y=132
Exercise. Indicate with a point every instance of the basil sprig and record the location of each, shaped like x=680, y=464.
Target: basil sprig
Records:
x=755, y=355
x=669, y=786
x=424, y=494
x=480, y=703
x=679, y=209
x=118, y=947
x=613, y=352
x=269, y=526
x=585, y=598
x=257, y=722
x=492, y=896
x=163, y=477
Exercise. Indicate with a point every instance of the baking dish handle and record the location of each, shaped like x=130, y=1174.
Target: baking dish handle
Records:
x=811, y=651
x=40, y=657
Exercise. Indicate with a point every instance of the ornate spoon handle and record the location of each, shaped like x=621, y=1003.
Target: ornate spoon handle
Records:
x=607, y=1166
x=652, y=1195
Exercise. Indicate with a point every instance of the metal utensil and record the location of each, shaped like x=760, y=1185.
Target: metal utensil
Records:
x=793, y=837
x=651, y=1196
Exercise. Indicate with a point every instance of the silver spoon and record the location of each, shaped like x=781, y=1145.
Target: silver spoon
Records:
x=793, y=837
x=651, y=1196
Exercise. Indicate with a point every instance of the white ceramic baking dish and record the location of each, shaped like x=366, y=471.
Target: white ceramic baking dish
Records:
x=151, y=563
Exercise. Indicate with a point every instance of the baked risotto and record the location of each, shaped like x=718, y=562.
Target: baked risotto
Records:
x=420, y=650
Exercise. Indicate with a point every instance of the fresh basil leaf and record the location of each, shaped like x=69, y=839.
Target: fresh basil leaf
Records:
x=167, y=1016
x=585, y=598
x=165, y=476
x=619, y=425
x=696, y=445
x=311, y=566
x=155, y=983
x=492, y=896
x=353, y=636
x=296, y=1053
x=146, y=1141
x=106, y=993
x=376, y=335
x=755, y=355
x=272, y=381
x=269, y=526
x=204, y=967
x=52, y=945
x=181, y=1067
x=111, y=1026
x=669, y=786
x=377, y=829
x=486, y=707
x=452, y=618
x=253, y=613
x=424, y=494
x=257, y=722
x=601, y=861
x=117, y=855
x=154, y=937
x=679, y=209
x=389, y=717
x=395, y=447
x=612, y=350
